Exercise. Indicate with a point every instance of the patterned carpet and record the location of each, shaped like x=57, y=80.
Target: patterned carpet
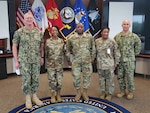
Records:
x=69, y=105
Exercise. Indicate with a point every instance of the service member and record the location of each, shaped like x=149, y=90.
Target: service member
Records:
x=54, y=64
x=82, y=47
x=129, y=45
x=107, y=60
x=28, y=55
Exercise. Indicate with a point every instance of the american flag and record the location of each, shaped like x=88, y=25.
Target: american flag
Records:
x=24, y=7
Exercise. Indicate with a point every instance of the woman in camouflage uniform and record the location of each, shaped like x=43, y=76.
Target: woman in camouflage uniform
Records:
x=107, y=60
x=54, y=64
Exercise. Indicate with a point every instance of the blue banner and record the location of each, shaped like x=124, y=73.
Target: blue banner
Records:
x=81, y=14
x=67, y=16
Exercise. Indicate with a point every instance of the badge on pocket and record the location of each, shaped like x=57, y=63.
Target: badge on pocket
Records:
x=108, y=51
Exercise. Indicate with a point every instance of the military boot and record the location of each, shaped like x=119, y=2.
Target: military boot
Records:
x=130, y=95
x=108, y=97
x=102, y=96
x=53, y=98
x=59, y=99
x=36, y=100
x=78, y=95
x=28, y=103
x=121, y=94
x=84, y=95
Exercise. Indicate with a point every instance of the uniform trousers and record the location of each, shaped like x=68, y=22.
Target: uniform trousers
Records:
x=86, y=69
x=55, y=79
x=106, y=79
x=125, y=71
x=30, y=77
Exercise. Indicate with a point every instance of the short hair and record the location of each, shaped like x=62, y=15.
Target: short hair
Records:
x=28, y=14
x=104, y=28
x=79, y=23
x=56, y=27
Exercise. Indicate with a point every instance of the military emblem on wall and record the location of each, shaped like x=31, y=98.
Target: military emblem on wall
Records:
x=53, y=14
x=67, y=15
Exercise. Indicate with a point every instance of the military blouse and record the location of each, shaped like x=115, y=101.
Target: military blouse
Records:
x=82, y=47
x=29, y=43
x=54, y=53
x=107, y=54
x=129, y=46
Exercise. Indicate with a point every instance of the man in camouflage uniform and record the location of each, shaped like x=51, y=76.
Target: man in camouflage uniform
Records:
x=82, y=47
x=129, y=45
x=28, y=55
x=107, y=60
x=54, y=64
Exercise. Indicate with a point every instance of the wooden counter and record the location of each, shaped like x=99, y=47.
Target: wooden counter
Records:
x=6, y=55
x=144, y=55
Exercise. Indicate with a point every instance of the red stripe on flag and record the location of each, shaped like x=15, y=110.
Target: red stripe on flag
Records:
x=20, y=17
x=21, y=24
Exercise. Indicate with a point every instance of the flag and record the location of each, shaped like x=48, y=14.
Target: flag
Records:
x=22, y=9
x=81, y=14
x=39, y=13
x=94, y=18
x=67, y=15
x=53, y=14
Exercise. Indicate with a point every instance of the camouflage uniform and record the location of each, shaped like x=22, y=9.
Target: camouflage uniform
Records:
x=129, y=46
x=82, y=48
x=54, y=63
x=107, y=57
x=29, y=56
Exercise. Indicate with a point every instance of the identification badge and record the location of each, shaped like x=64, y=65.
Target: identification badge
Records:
x=108, y=51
